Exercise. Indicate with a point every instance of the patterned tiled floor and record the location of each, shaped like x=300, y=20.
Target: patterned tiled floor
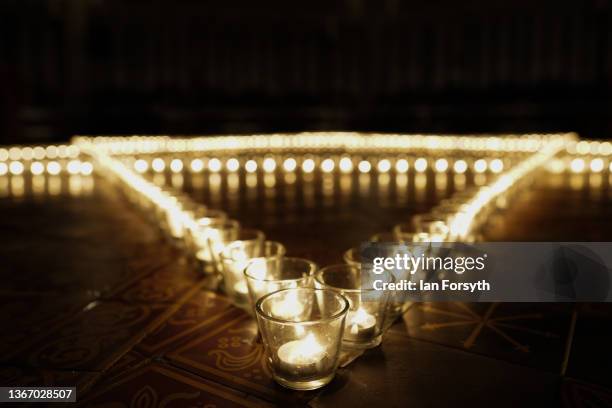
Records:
x=94, y=297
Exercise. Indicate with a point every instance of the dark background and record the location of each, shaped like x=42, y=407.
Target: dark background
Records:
x=195, y=66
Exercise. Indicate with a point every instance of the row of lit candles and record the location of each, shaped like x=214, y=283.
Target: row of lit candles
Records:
x=50, y=167
x=304, y=314
x=347, y=141
x=579, y=164
x=309, y=164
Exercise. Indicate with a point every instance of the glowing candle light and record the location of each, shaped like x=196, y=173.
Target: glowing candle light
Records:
x=197, y=165
x=328, y=165
x=290, y=164
x=269, y=164
x=289, y=307
x=364, y=166
x=420, y=165
x=141, y=166
x=360, y=325
x=214, y=165
x=345, y=165
x=176, y=166
x=401, y=166
x=460, y=166
x=384, y=166
x=232, y=164
x=301, y=358
x=250, y=166
x=308, y=166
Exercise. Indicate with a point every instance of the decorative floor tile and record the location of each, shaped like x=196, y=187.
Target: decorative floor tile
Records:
x=530, y=334
x=160, y=386
x=405, y=372
x=229, y=353
x=200, y=312
x=95, y=338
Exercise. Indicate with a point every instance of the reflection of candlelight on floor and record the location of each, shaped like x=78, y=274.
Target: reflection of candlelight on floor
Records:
x=360, y=325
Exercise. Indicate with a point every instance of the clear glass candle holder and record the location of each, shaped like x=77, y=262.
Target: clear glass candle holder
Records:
x=368, y=307
x=217, y=244
x=234, y=260
x=267, y=275
x=214, y=237
x=302, y=351
x=202, y=219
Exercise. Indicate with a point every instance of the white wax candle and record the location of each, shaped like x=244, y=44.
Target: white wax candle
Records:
x=360, y=325
x=301, y=358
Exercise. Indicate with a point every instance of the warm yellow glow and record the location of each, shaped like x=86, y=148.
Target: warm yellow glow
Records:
x=38, y=153
x=328, y=165
x=364, y=166
x=441, y=165
x=308, y=165
x=176, y=165
x=583, y=147
x=496, y=166
x=420, y=165
x=158, y=165
x=16, y=168
x=232, y=164
x=54, y=168
x=460, y=166
x=556, y=166
x=269, y=165
x=597, y=165
x=51, y=152
x=250, y=166
x=197, y=165
x=290, y=164
x=4, y=155
x=605, y=149
x=141, y=166
x=86, y=168
x=74, y=167
x=577, y=165
x=214, y=165
x=384, y=166
x=14, y=153
x=345, y=165
x=401, y=166
x=37, y=168
x=26, y=153
x=480, y=166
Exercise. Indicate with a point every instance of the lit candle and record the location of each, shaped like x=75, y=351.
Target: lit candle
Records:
x=288, y=308
x=360, y=326
x=302, y=358
x=241, y=293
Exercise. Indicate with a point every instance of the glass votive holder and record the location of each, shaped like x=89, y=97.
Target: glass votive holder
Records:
x=202, y=218
x=234, y=260
x=302, y=351
x=366, y=317
x=218, y=244
x=215, y=235
x=266, y=275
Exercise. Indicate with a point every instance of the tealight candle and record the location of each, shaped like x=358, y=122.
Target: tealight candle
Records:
x=266, y=275
x=235, y=258
x=360, y=326
x=301, y=358
x=302, y=351
x=365, y=319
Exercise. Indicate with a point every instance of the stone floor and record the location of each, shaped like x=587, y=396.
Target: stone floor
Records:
x=93, y=296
